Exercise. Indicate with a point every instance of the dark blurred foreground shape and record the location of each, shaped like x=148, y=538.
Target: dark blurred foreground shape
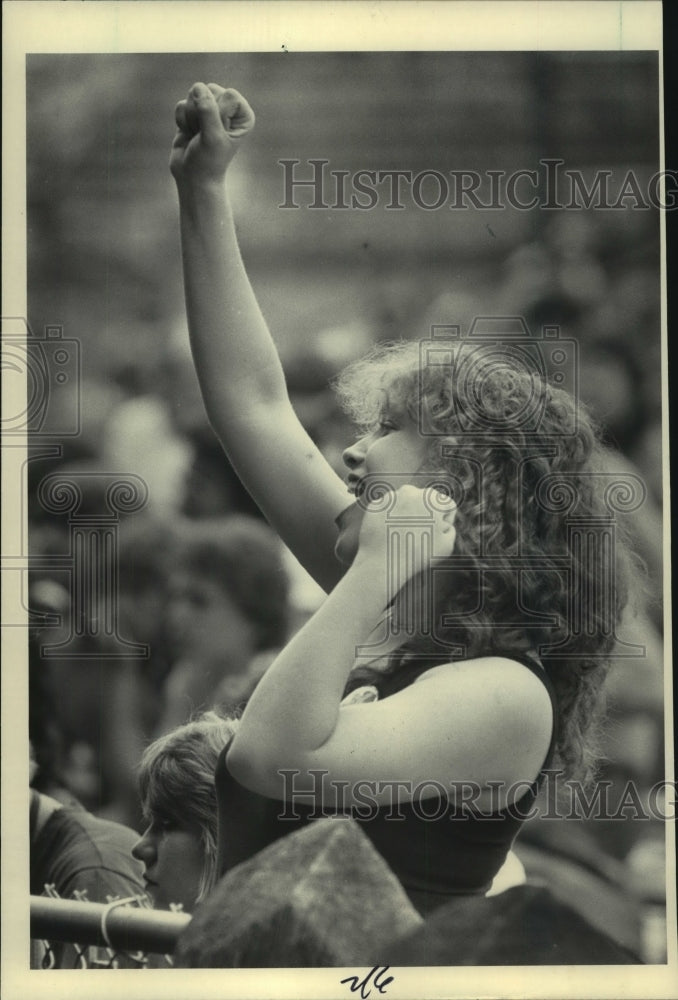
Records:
x=322, y=896
x=525, y=925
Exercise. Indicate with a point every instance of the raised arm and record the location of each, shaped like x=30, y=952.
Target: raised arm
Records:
x=240, y=373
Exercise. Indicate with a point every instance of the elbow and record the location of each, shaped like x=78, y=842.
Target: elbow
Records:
x=251, y=768
x=260, y=768
x=217, y=417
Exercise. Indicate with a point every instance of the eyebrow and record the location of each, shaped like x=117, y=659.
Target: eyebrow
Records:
x=152, y=812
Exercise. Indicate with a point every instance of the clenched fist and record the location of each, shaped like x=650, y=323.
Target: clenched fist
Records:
x=210, y=124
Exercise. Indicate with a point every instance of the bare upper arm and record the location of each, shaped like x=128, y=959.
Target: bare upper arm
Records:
x=477, y=721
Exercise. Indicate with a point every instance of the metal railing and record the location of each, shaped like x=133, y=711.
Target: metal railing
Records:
x=124, y=933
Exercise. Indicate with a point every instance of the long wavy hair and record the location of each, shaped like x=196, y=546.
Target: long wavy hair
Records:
x=525, y=464
x=176, y=783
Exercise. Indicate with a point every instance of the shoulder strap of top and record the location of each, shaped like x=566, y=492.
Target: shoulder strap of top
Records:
x=535, y=667
x=533, y=664
x=395, y=680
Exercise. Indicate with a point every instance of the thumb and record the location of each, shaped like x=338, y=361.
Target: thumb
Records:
x=207, y=111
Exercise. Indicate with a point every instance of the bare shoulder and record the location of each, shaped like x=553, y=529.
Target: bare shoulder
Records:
x=517, y=707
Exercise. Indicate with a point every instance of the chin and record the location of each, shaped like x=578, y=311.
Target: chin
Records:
x=151, y=896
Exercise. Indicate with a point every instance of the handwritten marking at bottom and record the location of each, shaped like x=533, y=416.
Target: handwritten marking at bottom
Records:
x=373, y=977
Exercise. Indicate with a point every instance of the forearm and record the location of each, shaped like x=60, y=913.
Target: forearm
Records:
x=295, y=707
x=235, y=358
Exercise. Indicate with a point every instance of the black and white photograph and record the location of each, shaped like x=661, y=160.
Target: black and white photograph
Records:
x=336, y=538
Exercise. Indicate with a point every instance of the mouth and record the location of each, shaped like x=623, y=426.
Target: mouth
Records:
x=149, y=881
x=356, y=486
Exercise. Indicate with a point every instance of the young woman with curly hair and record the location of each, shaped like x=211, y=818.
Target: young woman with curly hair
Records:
x=515, y=450
x=426, y=695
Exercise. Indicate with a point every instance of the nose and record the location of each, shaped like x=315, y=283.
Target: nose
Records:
x=354, y=454
x=144, y=849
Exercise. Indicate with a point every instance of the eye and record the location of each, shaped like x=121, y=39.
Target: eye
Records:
x=386, y=426
x=163, y=824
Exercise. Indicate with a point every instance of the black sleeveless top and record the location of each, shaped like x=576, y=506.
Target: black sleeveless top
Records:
x=437, y=849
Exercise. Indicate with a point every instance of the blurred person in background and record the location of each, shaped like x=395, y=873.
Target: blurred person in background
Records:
x=112, y=697
x=146, y=556
x=75, y=855
x=178, y=848
x=227, y=615
x=77, y=851
x=210, y=487
x=49, y=758
x=70, y=720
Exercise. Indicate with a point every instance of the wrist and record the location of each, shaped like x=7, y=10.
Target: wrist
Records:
x=369, y=571
x=194, y=191
x=386, y=576
x=204, y=206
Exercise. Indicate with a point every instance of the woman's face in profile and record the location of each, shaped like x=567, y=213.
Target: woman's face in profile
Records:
x=173, y=859
x=390, y=455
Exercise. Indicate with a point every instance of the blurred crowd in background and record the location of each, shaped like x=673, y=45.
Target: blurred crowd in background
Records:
x=202, y=581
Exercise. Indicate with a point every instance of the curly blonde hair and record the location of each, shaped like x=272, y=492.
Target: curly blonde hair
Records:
x=522, y=456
